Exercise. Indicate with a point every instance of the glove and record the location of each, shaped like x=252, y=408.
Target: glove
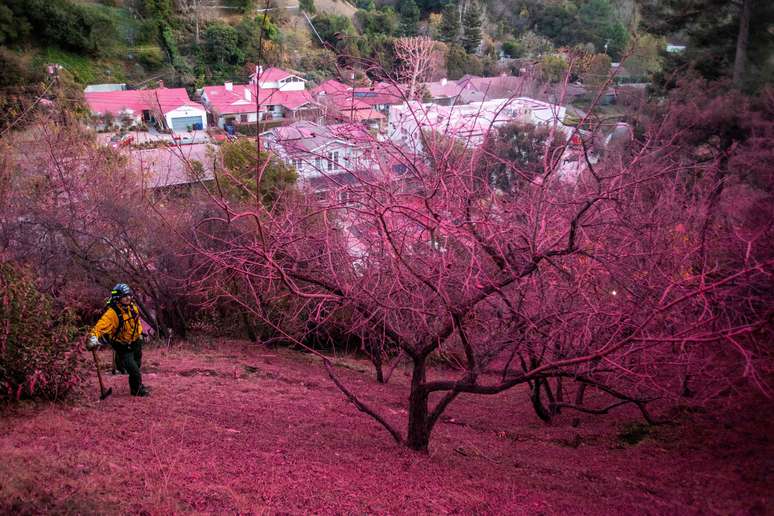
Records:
x=92, y=343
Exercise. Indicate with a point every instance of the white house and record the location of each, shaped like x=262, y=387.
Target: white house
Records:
x=323, y=156
x=468, y=123
x=277, y=79
x=272, y=94
x=168, y=107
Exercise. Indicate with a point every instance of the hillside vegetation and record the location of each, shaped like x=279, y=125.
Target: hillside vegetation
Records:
x=235, y=428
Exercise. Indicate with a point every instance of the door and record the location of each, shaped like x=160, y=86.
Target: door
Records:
x=185, y=123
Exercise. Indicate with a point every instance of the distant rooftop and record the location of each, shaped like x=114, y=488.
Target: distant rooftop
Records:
x=91, y=88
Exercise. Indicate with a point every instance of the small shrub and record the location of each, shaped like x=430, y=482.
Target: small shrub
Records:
x=37, y=355
x=633, y=433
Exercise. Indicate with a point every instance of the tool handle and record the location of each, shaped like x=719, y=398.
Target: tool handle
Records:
x=99, y=374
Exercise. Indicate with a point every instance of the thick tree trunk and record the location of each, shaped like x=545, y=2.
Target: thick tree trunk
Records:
x=537, y=402
x=248, y=326
x=418, y=436
x=579, y=401
x=742, y=41
x=376, y=358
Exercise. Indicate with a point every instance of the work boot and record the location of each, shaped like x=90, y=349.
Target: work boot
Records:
x=142, y=392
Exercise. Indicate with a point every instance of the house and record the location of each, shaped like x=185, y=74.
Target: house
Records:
x=277, y=79
x=368, y=105
x=468, y=123
x=272, y=94
x=168, y=108
x=472, y=88
x=323, y=156
x=380, y=96
x=345, y=108
x=443, y=92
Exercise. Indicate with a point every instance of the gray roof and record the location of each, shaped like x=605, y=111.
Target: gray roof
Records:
x=92, y=88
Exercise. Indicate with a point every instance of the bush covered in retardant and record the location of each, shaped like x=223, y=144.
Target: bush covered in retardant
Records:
x=38, y=356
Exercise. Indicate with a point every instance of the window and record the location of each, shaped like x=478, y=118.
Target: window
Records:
x=318, y=163
x=243, y=118
x=333, y=160
x=298, y=163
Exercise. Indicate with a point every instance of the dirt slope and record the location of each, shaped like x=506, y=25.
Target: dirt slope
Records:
x=265, y=431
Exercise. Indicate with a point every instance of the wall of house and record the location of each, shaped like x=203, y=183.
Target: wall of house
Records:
x=185, y=111
x=291, y=84
x=251, y=117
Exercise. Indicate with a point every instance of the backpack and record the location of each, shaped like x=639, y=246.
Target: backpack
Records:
x=111, y=304
x=118, y=364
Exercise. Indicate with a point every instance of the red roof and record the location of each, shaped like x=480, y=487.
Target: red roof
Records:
x=330, y=87
x=272, y=74
x=380, y=93
x=234, y=101
x=115, y=102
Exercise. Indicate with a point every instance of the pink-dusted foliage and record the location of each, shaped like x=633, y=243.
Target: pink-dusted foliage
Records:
x=37, y=355
x=645, y=277
x=78, y=214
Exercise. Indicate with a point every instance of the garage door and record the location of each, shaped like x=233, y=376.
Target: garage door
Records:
x=182, y=124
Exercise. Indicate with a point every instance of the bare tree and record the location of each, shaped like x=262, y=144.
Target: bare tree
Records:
x=419, y=57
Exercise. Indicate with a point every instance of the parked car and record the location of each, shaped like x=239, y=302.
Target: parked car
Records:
x=217, y=134
x=182, y=138
x=118, y=141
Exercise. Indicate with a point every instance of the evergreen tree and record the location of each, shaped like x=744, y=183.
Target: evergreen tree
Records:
x=724, y=39
x=409, y=17
x=471, y=28
x=449, y=30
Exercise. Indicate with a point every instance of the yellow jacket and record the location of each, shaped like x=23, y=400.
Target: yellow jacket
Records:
x=108, y=324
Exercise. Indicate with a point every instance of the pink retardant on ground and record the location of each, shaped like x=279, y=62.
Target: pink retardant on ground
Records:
x=251, y=430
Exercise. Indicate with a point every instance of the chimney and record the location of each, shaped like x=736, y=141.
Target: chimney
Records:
x=259, y=70
x=248, y=95
x=161, y=83
x=443, y=81
x=229, y=86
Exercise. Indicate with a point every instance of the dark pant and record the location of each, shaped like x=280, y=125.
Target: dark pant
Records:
x=130, y=355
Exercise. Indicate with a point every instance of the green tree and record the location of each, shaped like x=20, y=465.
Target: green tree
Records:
x=459, y=63
x=471, y=28
x=645, y=59
x=535, y=45
x=449, y=31
x=334, y=29
x=513, y=154
x=255, y=35
x=553, y=68
x=85, y=28
x=366, y=5
x=242, y=164
x=382, y=21
x=512, y=48
x=724, y=39
x=409, y=17
x=597, y=24
x=597, y=72
x=222, y=45
x=307, y=6
x=559, y=23
x=12, y=27
x=158, y=9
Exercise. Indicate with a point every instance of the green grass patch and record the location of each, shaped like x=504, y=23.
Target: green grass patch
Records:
x=85, y=70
